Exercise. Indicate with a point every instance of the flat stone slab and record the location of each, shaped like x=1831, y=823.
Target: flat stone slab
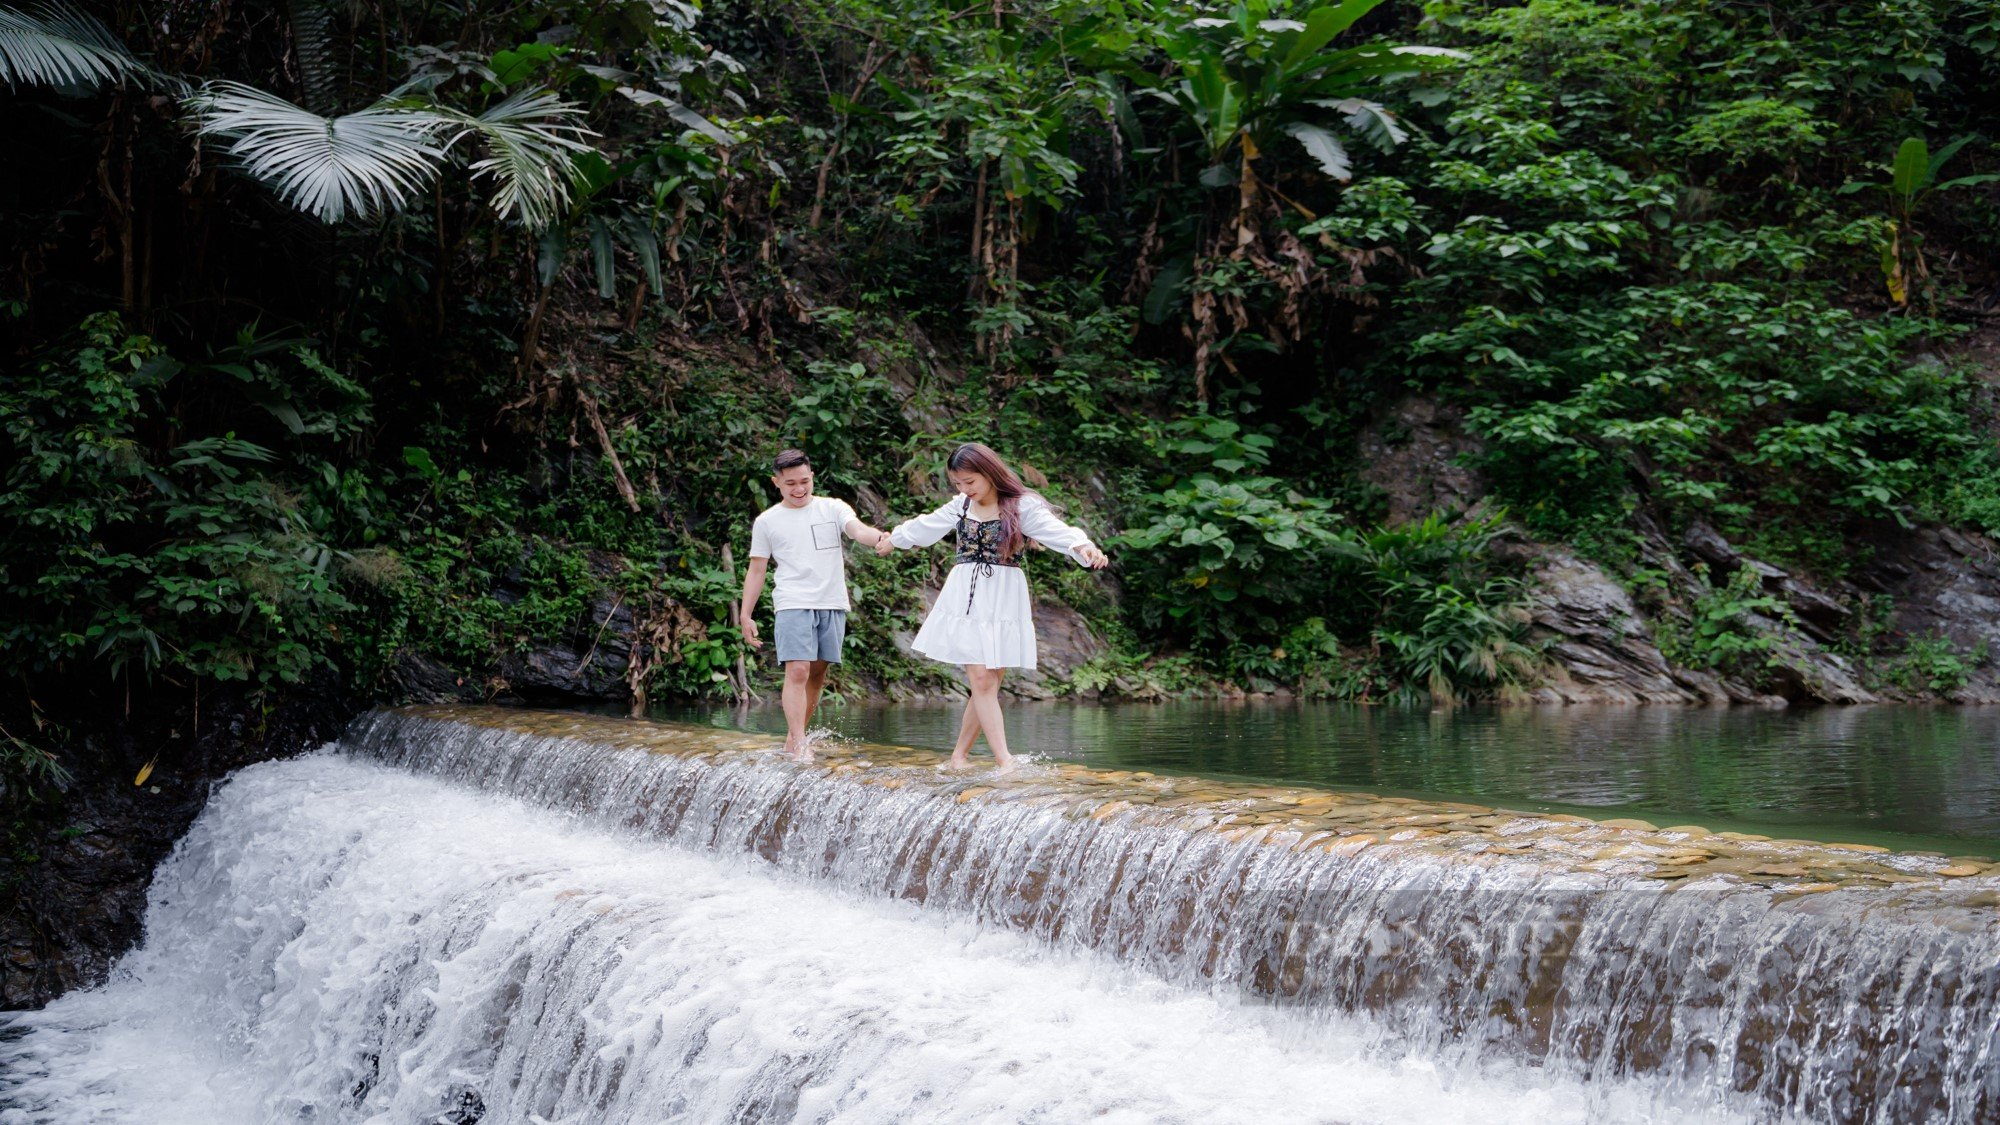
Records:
x=1306, y=819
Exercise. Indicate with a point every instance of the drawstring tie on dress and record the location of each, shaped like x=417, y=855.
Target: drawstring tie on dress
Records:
x=977, y=550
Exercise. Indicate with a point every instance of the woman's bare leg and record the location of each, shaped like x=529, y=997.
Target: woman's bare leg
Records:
x=968, y=733
x=985, y=684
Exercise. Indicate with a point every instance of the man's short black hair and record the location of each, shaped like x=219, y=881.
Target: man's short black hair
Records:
x=790, y=459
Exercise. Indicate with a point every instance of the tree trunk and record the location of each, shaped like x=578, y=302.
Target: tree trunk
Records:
x=978, y=231
x=870, y=63
x=610, y=452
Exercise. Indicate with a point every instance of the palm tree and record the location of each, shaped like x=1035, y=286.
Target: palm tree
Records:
x=363, y=164
x=356, y=165
x=1244, y=78
x=55, y=44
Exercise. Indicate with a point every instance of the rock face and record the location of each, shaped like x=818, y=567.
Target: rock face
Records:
x=425, y=679
x=1064, y=641
x=587, y=661
x=1940, y=582
x=1598, y=642
x=1606, y=653
x=1943, y=582
x=1800, y=667
x=1415, y=453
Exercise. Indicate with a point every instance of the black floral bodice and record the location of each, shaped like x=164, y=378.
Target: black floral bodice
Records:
x=979, y=547
x=979, y=542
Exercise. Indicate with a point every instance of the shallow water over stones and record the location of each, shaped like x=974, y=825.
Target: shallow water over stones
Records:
x=1905, y=777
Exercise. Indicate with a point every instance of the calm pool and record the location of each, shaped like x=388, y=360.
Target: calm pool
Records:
x=1907, y=777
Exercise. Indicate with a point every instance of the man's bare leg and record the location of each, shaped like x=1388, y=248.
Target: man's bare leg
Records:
x=798, y=699
x=815, y=684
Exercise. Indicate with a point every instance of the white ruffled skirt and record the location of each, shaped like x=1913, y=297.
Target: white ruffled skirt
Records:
x=998, y=631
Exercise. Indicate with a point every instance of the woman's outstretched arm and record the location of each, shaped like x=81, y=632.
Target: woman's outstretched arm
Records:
x=1040, y=523
x=926, y=529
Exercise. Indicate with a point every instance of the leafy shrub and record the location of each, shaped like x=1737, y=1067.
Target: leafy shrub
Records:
x=1645, y=293
x=1933, y=663
x=841, y=411
x=144, y=537
x=1231, y=553
x=1720, y=633
x=1435, y=613
x=1320, y=666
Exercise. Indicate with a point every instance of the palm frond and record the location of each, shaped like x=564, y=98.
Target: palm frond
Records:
x=531, y=139
x=1324, y=147
x=360, y=164
x=56, y=44
x=1370, y=119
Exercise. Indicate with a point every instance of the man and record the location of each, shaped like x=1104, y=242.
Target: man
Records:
x=801, y=533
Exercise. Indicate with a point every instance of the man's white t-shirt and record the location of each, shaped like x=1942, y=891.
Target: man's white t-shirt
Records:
x=805, y=545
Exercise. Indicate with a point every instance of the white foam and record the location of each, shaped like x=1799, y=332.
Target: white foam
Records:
x=324, y=913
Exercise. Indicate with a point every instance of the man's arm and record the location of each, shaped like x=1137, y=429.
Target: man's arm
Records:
x=862, y=533
x=753, y=588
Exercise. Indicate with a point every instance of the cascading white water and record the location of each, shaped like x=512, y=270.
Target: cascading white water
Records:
x=339, y=941
x=1847, y=1006
x=389, y=943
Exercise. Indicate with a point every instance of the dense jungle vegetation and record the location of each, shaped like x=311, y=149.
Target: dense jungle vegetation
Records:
x=336, y=331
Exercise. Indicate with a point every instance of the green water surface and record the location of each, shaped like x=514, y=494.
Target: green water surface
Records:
x=1911, y=778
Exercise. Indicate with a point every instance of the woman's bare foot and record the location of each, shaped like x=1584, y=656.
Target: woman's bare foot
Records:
x=955, y=762
x=1006, y=765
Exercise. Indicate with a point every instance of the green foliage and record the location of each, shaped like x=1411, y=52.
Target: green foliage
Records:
x=1913, y=176
x=1437, y=615
x=1136, y=675
x=146, y=542
x=1934, y=664
x=1234, y=552
x=29, y=770
x=1264, y=70
x=1720, y=632
x=1616, y=236
x=841, y=412
x=1645, y=301
x=1314, y=659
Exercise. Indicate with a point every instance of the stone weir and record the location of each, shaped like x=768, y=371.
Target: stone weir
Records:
x=1841, y=982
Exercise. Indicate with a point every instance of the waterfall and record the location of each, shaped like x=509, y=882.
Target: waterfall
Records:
x=470, y=914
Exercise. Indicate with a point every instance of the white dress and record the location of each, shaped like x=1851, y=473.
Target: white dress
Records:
x=983, y=614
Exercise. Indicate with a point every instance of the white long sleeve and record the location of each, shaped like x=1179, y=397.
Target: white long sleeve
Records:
x=1040, y=523
x=927, y=529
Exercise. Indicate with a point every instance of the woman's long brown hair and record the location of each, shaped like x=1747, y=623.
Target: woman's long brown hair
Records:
x=973, y=457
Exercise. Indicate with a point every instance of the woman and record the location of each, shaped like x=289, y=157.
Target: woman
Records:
x=983, y=619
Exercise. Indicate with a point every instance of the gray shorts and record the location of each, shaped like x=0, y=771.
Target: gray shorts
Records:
x=811, y=634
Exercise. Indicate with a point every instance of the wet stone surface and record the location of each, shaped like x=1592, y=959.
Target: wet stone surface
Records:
x=1332, y=822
